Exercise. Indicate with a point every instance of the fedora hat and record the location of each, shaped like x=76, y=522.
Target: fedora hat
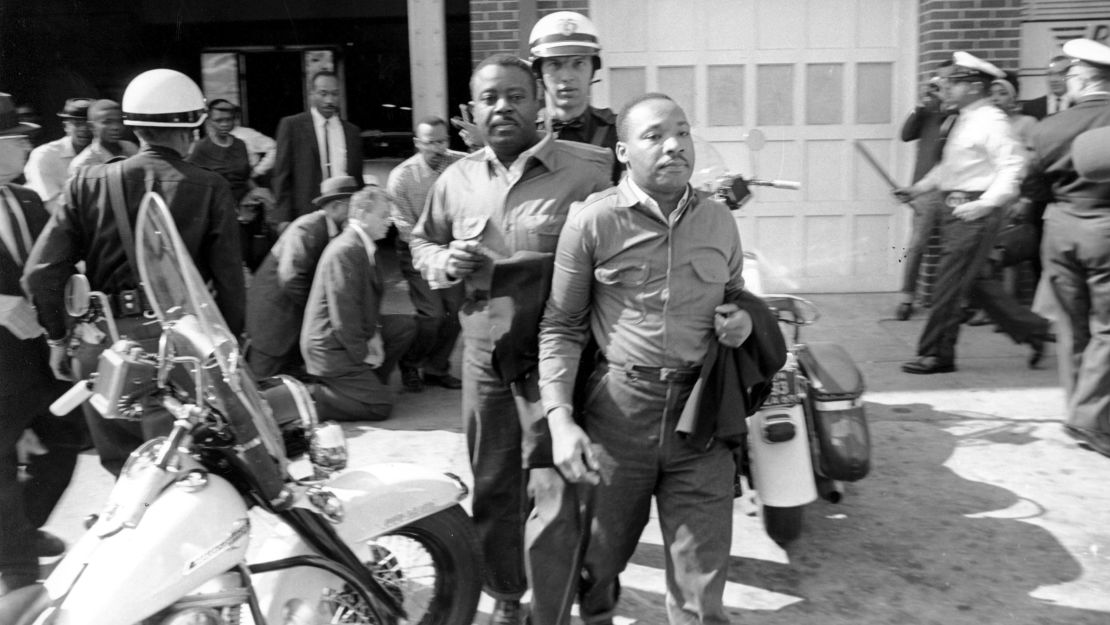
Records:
x=9, y=119
x=76, y=108
x=336, y=188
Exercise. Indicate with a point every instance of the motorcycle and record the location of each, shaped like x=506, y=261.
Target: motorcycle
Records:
x=245, y=511
x=810, y=436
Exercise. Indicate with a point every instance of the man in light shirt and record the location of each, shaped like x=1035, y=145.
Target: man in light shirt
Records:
x=106, y=120
x=48, y=166
x=979, y=174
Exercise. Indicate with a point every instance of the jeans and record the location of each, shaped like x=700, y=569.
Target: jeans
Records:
x=437, y=318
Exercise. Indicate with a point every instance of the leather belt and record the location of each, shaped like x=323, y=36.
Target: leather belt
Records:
x=952, y=199
x=129, y=303
x=660, y=374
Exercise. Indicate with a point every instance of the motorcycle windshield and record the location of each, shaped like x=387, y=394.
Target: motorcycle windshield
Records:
x=179, y=297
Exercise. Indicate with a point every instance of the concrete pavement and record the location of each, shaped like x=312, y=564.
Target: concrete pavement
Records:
x=978, y=508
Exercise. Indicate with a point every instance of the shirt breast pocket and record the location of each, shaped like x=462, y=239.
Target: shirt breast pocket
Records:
x=542, y=233
x=711, y=270
x=625, y=274
x=468, y=228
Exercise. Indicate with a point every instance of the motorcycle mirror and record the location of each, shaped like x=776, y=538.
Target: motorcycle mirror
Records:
x=77, y=295
x=755, y=139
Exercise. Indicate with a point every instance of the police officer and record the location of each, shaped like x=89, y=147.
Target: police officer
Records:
x=1075, y=251
x=566, y=55
x=163, y=107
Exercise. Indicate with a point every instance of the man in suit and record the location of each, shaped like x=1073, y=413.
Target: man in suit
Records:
x=1056, y=99
x=1075, y=251
x=27, y=385
x=279, y=291
x=312, y=147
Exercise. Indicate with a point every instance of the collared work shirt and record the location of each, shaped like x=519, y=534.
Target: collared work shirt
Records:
x=47, y=170
x=408, y=187
x=97, y=154
x=982, y=153
x=472, y=201
x=335, y=162
x=645, y=285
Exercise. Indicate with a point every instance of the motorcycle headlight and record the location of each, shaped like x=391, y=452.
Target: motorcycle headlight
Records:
x=194, y=616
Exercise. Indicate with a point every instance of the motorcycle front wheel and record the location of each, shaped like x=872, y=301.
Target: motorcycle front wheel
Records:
x=783, y=525
x=433, y=566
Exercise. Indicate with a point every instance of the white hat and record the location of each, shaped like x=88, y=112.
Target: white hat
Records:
x=971, y=65
x=1088, y=51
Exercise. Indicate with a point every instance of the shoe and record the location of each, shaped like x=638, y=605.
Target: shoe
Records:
x=1037, y=344
x=928, y=364
x=446, y=380
x=904, y=311
x=410, y=380
x=979, y=319
x=1091, y=439
x=506, y=612
x=48, y=545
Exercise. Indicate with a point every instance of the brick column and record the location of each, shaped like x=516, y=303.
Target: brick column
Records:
x=502, y=25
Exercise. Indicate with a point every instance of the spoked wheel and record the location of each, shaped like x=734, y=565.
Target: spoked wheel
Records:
x=433, y=566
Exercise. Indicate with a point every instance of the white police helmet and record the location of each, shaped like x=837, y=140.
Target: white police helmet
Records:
x=564, y=33
x=163, y=98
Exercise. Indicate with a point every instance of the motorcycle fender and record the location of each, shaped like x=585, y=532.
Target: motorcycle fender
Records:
x=782, y=471
x=187, y=536
x=382, y=497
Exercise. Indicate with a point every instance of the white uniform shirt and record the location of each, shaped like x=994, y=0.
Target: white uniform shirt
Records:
x=982, y=153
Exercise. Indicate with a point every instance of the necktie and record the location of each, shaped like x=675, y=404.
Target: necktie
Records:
x=327, y=150
x=11, y=218
x=558, y=125
x=1059, y=104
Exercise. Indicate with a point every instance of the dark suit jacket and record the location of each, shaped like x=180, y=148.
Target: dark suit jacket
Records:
x=296, y=176
x=23, y=364
x=279, y=290
x=1037, y=107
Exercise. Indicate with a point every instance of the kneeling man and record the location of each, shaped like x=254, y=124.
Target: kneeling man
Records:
x=348, y=345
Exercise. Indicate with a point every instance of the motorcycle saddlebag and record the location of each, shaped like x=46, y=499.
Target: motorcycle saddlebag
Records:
x=841, y=440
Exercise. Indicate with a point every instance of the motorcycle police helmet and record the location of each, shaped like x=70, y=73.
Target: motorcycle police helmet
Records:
x=564, y=33
x=163, y=98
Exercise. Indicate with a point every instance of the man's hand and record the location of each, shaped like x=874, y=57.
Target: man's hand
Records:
x=733, y=325
x=905, y=194
x=464, y=258
x=972, y=211
x=570, y=449
x=60, y=363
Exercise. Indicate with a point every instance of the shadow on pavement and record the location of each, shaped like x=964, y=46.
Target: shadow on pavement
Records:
x=906, y=545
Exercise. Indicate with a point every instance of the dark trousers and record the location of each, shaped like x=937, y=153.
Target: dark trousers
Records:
x=25, y=506
x=365, y=395
x=437, y=318
x=927, y=212
x=960, y=276
x=1075, y=253
x=493, y=438
x=115, y=439
x=632, y=421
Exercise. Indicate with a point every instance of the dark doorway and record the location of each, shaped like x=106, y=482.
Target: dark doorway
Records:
x=272, y=88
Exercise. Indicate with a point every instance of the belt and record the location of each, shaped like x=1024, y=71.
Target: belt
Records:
x=129, y=303
x=952, y=199
x=661, y=374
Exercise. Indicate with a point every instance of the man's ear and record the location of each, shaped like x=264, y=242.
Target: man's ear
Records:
x=621, y=150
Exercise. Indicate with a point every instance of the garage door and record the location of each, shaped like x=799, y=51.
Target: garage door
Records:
x=813, y=76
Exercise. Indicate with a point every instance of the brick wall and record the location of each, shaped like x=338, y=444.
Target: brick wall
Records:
x=495, y=25
x=989, y=29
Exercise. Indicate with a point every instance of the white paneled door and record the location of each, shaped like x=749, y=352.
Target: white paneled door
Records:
x=814, y=76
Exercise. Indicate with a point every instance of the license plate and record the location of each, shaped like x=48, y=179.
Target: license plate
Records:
x=784, y=389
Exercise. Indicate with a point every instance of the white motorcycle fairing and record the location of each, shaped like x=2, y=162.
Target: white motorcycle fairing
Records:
x=137, y=571
x=782, y=471
x=375, y=500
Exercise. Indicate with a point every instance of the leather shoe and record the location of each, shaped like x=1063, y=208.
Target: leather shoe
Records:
x=410, y=380
x=904, y=311
x=48, y=545
x=928, y=364
x=446, y=380
x=1037, y=344
x=506, y=612
x=1091, y=439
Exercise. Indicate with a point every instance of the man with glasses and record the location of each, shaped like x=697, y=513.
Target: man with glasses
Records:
x=437, y=310
x=47, y=167
x=312, y=147
x=979, y=173
x=1075, y=251
x=1056, y=99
